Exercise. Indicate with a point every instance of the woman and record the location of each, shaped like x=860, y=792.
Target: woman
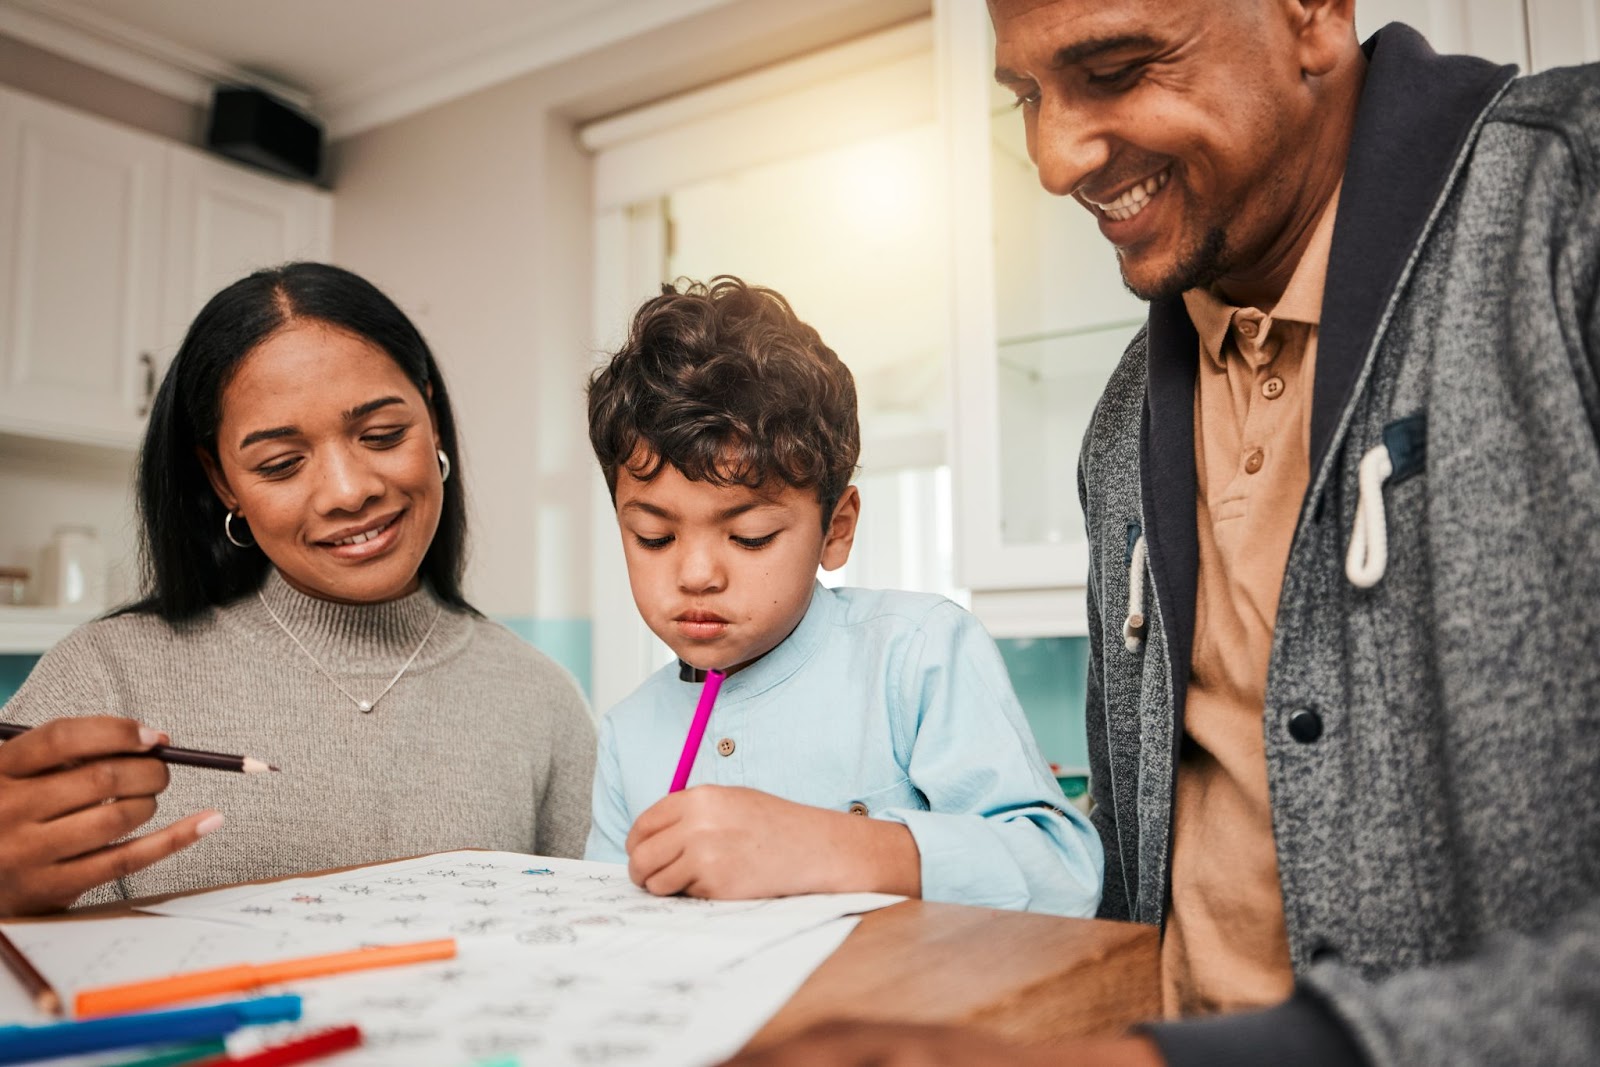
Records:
x=304, y=533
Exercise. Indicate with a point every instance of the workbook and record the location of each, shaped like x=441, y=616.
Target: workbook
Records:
x=559, y=961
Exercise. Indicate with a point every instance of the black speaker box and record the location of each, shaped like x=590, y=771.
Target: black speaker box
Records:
x=257, y=128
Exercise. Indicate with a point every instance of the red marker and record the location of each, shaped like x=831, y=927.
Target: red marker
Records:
x=311, y=1047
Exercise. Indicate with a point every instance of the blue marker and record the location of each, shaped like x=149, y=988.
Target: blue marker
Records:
x=19, y=1044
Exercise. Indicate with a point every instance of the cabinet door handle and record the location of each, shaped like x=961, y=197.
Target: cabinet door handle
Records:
x=148, y=362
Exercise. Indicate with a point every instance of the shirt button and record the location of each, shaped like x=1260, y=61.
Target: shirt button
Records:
x=725, y=747
x=1254, y=460
x=1305, y=725
x=1247, y=328
x=858, y=808
x=1272, y=388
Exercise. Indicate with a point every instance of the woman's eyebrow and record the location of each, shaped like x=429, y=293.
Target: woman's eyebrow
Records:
x=267, y=435
x=370, y=406
x=289, y=431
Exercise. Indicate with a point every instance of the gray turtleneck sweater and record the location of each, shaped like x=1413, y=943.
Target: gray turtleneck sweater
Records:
x=483, y=741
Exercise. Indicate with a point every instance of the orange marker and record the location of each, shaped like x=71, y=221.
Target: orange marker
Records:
x=135, y=996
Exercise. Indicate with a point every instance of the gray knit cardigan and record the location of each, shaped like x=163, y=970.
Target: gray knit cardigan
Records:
x=1432, y=739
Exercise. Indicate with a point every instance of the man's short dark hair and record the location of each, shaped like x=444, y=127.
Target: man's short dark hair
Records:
x=724, y=382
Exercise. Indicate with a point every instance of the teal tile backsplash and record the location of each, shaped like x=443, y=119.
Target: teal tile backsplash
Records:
x=567, y=641
x=13, y=671
x=1050, y=675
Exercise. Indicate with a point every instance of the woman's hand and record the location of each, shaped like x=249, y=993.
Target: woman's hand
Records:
x=729, y=842
x=70, y=788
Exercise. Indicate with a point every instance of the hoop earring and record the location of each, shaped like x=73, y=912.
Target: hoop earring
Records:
x=227, y=531
x=444, y=466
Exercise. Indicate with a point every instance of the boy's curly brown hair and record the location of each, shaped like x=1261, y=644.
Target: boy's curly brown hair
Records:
x=724, y=382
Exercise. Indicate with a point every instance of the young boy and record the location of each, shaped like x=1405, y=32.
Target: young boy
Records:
x=727, y=433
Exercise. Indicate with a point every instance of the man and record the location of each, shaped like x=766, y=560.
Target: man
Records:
x=1343, y=502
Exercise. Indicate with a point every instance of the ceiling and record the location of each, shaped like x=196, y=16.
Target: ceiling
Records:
x=355, y=63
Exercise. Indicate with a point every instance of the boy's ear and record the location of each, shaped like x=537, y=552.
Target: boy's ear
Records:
x=841, y=533
x=218, y=480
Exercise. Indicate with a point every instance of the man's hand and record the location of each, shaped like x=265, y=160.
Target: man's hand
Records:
x=70, y=788
x=729, y=843
x=843, y=1044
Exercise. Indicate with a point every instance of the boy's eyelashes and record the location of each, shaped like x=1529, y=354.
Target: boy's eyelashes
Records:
x=743, y=542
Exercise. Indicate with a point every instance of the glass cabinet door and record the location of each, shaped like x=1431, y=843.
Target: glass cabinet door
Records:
x=1041, y=320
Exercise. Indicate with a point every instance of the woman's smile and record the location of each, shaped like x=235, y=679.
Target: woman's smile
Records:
x=365, y=540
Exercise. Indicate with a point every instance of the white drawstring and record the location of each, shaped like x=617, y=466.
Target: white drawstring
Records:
x=1368, y=557
x=1133, y=625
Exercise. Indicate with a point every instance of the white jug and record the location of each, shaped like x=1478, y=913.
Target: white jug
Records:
x=72, y=570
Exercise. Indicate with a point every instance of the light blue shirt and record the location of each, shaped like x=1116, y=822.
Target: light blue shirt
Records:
x=896, y=701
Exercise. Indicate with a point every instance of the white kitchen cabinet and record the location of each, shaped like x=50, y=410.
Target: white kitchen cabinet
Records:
x=1534, y=34
x=110, y=240
x=80, y=272
x=224, y=221
x=1563, y=32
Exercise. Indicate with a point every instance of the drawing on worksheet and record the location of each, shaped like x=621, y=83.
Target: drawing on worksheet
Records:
x=492, y=1003
x=559, y=961
x=574, y=912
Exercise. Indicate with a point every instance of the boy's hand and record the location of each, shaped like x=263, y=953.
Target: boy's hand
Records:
x=729, y=843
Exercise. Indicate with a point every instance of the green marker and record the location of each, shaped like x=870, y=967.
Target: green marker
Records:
x=177, y=1055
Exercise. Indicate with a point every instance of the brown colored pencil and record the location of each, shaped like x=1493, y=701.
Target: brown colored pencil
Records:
x=45, y=998
x=188, y=757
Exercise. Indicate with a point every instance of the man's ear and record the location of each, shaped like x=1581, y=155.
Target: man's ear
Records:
x=1325, y=33
x=218, y=480
x=841, y=532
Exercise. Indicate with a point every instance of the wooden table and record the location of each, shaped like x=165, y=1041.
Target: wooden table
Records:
x=1029, y=978
x=1026, y=977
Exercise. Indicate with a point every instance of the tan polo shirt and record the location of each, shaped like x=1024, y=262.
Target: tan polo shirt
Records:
x=1225, y=946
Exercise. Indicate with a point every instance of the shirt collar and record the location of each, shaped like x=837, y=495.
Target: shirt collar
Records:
x=784, y=660
x=1301, y=300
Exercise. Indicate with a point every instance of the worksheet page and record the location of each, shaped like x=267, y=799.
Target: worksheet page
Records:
x=559, y=961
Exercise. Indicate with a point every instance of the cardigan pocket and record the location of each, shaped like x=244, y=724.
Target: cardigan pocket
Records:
x=1402, y=454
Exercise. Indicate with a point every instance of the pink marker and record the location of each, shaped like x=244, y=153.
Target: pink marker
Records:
x=697, y=730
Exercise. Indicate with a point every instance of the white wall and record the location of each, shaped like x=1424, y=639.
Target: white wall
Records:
x=475, y=216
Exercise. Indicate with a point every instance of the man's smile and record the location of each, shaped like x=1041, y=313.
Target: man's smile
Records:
x=1131, y=200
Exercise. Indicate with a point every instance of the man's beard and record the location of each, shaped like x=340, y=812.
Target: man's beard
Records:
x=1198, y=268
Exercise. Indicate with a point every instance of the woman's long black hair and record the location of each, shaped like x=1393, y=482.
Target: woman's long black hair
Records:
x=189, y=565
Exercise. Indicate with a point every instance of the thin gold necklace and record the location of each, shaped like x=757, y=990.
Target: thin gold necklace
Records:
x=361, y=705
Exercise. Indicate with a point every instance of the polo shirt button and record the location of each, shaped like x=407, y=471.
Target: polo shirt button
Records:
x=1272, y=388
x=858, y=808
x=1254, y=460
x=725, y=747
x=1305, y=725
x=1248, y=328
